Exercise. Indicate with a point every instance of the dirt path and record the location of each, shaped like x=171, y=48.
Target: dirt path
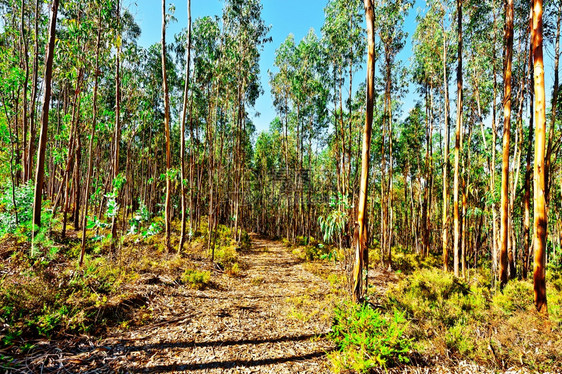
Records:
x=270, y=319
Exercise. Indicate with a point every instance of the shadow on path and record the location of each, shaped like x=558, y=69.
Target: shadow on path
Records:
x=225, y=364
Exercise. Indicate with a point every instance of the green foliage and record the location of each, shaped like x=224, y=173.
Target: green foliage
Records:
x=514, y=297
x=313, y=252
x=140, y=217
x=112, y=208
x=153, y=229
x=409, y=262
x=245, y=241
x=335, y=221
x=226, y=256
x=367, y=338
x=464, y=318
x=23, y=207
x=196, y=279
x=42, y=299
x=438, y=296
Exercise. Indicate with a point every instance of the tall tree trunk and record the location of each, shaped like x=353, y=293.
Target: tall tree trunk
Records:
x=117, y=135
x=91, y=144
x=183, y=120
x=26, y=171
x=31, y=143
x=40, y=172
x=361, y=251
x=528, y=169
x=457, y=227
x=551, y=147
x=540, y=218
x=445, y=217
x=76, y=198
x=166, y=126
x=504, y=220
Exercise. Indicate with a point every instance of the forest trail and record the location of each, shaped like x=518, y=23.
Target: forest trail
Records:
x=270, y=319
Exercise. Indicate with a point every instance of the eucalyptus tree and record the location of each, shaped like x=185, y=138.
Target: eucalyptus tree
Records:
x=458, y=140
x=281, y=82
x=244, y=34
x=344, y=37
x=410, y=163
x=300, y=95
x=182, y=130
x=40, y=172
x=117, y=133
x=390, y=16
x=361, y=249
x=166, y=127
x=101, y=12
x=540, y=213
x=206, y=54
x=429, y=60
x=506, y=139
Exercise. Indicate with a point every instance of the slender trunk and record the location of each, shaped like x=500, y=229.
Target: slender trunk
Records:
x=183, y=120
x=26, y=171
x=528, y=170
x=40, y=172
x=76, y=210
x=166, y=126
x=361, y=251
x=31, y=143
x=425, y=228
x=91, y=144
x=550, y=149
x=457, y=228
x=117, y=134
x=504, y=213
x=445, y=217
x=540, y=217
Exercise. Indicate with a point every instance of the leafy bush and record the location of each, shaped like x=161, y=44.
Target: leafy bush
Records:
x=515, y=297
x=140, y=217
x=315, y=252
x=245, y=241
x=410, y=262
x=226, y=256
x=438, y=296
x=466, y=320
x=334, y=223
x=23, y=207
x=196, y=279
x=44, y=300
x=366, y=338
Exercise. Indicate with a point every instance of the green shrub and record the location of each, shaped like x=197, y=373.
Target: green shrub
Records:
x=459, y=338
x=226, y=256
x=554, y=297
x=314, y=252
x=366, y=338
x=516, y=296
x=196, y=279
x=432, y=294
x=23, y=207
x=245, y=241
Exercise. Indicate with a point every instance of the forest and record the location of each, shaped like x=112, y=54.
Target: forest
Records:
x=399, y=215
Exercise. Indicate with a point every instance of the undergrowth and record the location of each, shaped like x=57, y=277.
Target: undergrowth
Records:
x=367, y=338
x=196, y=279
x=467, y=320
x=44, y=293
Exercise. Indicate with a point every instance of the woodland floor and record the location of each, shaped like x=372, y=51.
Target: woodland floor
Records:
x=259, y=321
x=272, y=317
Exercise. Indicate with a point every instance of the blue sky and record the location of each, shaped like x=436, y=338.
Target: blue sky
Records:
x=284, y=17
